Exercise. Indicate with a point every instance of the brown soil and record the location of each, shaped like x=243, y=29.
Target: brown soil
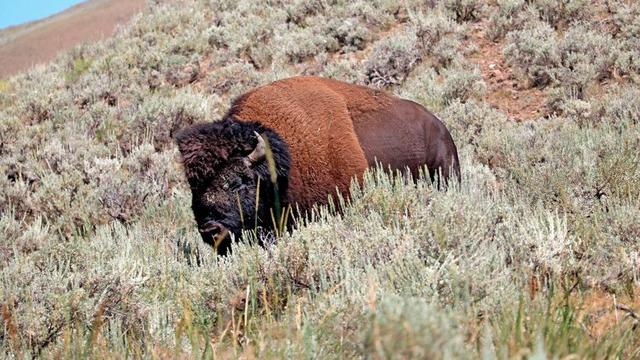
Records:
x=23, y=46
x=503, y=90
x=601, y=311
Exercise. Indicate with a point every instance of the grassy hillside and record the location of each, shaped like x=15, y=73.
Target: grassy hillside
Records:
x=39, y=41
x=536, y=255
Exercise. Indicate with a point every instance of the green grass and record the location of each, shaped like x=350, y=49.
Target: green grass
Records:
x=100, y=256
x=79, y=67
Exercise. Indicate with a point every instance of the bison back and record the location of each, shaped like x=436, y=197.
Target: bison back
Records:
x=406, y=135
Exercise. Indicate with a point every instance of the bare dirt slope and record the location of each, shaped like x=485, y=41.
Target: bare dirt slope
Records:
x=503, y=91
x=25, y=45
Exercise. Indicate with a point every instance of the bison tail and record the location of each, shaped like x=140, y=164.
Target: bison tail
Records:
x=448, y=169
x=455, y=167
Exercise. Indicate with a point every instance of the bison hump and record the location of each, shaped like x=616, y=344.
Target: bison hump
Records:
x=314, y=117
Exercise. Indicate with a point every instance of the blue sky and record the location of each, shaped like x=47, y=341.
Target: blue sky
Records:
x=13, y=12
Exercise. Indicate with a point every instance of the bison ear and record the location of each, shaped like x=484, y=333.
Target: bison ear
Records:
x=258, y=153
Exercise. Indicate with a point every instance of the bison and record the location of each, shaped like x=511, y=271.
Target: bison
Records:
x=296, y=141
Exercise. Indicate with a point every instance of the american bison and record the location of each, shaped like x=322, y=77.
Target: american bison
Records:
x=295, y=142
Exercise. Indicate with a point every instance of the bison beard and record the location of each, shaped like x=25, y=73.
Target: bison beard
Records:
x=297, y=141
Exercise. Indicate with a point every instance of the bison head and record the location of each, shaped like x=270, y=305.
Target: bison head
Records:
x=228, y=166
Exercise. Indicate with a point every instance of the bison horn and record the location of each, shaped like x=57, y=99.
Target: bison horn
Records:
x=260, y=150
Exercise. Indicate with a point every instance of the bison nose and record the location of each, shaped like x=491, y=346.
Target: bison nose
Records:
x=212, y=227
x=214, y=233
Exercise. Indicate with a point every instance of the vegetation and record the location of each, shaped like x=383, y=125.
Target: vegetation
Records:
x=534, y=255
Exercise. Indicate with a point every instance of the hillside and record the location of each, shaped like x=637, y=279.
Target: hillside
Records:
x=534, y=255
x=39, y=41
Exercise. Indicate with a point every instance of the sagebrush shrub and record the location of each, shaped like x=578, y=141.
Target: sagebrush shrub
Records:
x=438, y=37
x=470, y=121
x=464, y=10
x=350, y=34
x=126, y=186
x=461, y=83
x=299, y=10
x=378, y=13
x=392, y=59
x=432, y=26
x=559, y=12
x=159, y=117
x=437, y=340
x=585, y=56
x=569, y=102
x=534, y=52
x=246, y=36
x=627, y=30
x=510, y=15
x=456, y=84
x=343, y=69
x=619, y=106
x=234, y=78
